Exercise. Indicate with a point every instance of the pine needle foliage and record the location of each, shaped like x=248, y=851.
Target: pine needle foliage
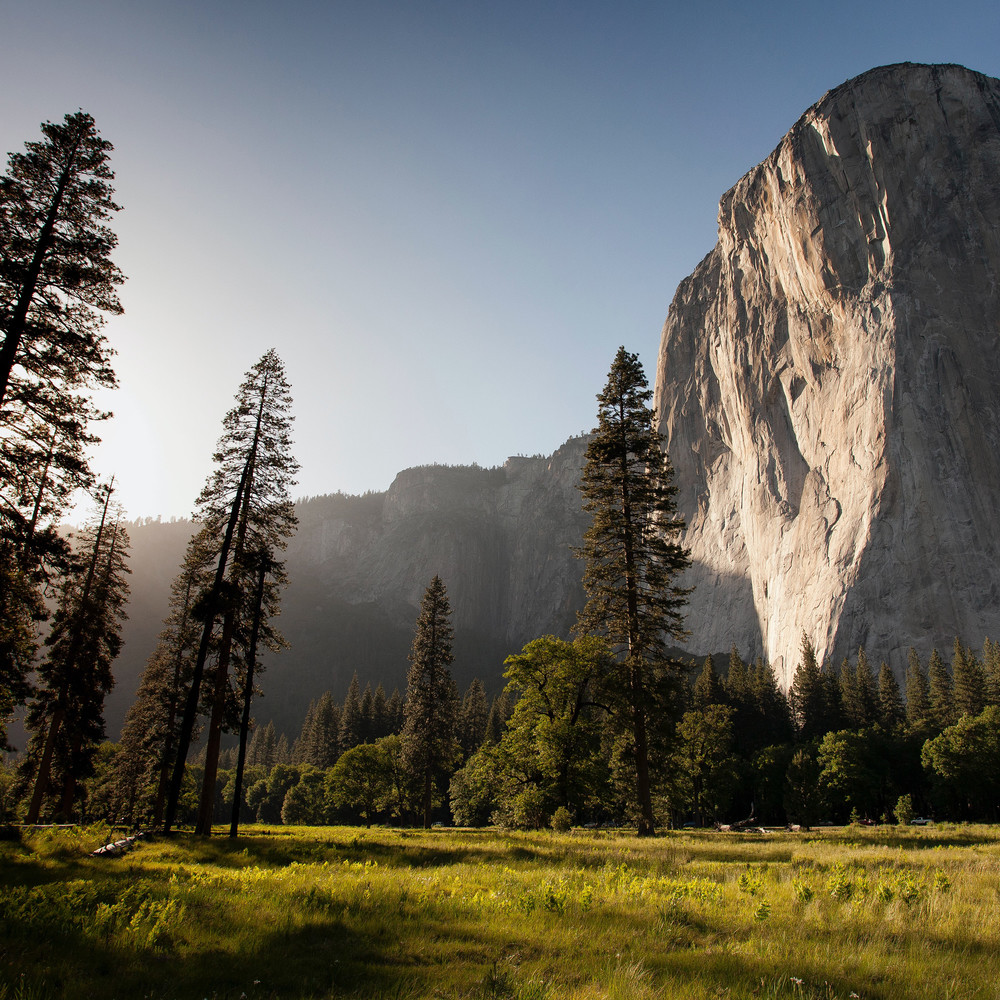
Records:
x=633, y=557
x=429, y=742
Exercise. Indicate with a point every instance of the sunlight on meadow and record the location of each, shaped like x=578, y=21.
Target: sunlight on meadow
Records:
x=459, y=914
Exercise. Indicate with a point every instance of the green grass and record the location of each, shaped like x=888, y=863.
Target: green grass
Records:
x=338, y=912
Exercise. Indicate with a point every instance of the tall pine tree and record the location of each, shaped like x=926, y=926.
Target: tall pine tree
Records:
x=67, y=715
x=633, y=560
x=246, y=510
x=57, y=284
x=429, y=745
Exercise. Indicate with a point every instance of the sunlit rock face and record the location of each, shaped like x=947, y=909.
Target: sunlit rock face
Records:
x=828, y=380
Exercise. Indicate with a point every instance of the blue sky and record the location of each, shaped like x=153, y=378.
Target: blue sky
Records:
x=446, y=217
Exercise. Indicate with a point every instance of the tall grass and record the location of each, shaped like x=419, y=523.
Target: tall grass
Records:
x=335, y=912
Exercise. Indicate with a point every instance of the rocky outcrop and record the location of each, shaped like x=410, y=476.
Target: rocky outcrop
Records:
x=828, y=380
x=501, y=540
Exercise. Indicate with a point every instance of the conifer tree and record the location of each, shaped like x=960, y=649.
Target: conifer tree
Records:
x=942, y=699
x=367, y=714
x=501, y=710
x=57, y=283
x=918, y=703
x=66, y=716
x=969, y=680
x=429, y=746
x=708, y=688
x=991, y=668
x=246, y=510
x=738, y=685
x=891, y=713
x=380, y=714
x=304, y=739
x=472, y=721
x=771, y=706
x=263, y=748
x=633, y=560
x=323, y=746
x=149, y=736
x=807, y=695
x=394, y=712
x=270, y=577
x=351, y=722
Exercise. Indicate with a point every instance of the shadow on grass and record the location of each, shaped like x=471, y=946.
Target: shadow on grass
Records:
x=321, y=960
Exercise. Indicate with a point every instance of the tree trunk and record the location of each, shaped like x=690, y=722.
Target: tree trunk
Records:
x=206, y=808
x=234, y=823
x=191, y=706
x=428, y=797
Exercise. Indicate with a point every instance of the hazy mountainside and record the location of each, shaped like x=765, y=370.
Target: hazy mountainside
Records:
x=501, y=540
x=828, y=379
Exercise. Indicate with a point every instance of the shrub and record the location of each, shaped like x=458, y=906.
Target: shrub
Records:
x=562, y=822
x=904, y=809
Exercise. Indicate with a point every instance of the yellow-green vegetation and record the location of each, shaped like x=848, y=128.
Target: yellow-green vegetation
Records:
x=340, y=912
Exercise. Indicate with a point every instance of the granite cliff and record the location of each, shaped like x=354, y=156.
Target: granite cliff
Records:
x=828, y=380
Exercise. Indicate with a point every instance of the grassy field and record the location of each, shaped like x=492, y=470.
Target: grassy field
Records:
x=338, y=912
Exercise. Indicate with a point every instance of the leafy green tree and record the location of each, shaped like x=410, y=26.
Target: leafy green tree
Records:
x=475, y=790
x=703, y=761
x=306, y=802
x=633, y=560
x=803, y=798
x=851, y=763
x=361, y=782
x=67, y=715
x=964, y=761
x=555, y=730
x=430, y=746
x=767, y=775
x=266, y=796
x=246, y=510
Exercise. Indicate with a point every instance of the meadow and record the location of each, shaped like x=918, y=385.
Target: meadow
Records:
x=478, y=915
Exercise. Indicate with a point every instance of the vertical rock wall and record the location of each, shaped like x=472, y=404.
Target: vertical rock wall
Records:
x=828, y=380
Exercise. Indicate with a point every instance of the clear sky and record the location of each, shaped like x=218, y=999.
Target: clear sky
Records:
x=445, y=216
